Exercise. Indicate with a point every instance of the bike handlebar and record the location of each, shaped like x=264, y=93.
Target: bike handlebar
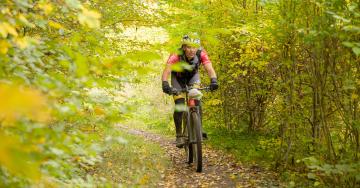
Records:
x=175, y=91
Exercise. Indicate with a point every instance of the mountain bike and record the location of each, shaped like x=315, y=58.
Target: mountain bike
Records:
x=191, y=125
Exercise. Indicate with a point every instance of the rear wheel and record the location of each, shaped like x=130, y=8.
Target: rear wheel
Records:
x=197, y=147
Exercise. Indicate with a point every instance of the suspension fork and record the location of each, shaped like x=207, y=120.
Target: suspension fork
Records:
x=198, y=107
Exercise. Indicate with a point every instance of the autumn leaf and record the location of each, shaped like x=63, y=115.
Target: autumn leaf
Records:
x=354, y=96
x=4, y=46
x=6, y=28
x=46, y=7
x=99, y=111
x=89, y=18
x=19, y=102
x=55, y=25
x=25, y=21
x=144, y=180
x=22, y=43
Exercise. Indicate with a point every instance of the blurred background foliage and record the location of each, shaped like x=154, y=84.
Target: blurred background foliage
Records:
x=288, y=74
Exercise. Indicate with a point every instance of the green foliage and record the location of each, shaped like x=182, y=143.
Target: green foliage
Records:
x=60, y=84
x=321, y=173
x=250, y=149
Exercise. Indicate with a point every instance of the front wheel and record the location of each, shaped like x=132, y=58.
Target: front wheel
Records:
x=197, y=146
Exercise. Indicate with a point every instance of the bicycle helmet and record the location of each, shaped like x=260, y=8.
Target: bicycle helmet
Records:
x=191, y=40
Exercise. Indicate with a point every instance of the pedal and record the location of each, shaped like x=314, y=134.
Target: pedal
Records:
x=179, y=142
x=204, y=135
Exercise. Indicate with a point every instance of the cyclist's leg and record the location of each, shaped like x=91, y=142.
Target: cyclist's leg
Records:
x=178, y=115
x=179, y=108
x=195, y=80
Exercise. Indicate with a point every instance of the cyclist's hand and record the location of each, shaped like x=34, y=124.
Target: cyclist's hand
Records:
x=174, y=91
x=213, y=84
x=166, y=87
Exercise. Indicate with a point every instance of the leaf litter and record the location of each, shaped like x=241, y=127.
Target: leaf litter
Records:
x=219, y=169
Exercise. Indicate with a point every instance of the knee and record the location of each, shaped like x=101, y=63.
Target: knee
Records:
x=179, y=105
x=180, y=101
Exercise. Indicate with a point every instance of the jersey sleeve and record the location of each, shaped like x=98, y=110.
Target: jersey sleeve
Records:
x=204, y=57
x=173, y=59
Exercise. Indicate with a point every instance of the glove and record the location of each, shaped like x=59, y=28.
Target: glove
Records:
x=166, y=87
x=213, y=84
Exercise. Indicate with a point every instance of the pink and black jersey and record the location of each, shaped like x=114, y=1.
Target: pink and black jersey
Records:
x=204, y=58
x=187, y=74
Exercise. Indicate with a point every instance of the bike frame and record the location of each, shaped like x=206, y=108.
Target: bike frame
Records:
x=192, y=128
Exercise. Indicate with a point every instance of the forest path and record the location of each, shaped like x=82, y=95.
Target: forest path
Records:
x=219, y=169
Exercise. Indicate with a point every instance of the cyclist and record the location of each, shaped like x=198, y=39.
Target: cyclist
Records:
x=191, y=54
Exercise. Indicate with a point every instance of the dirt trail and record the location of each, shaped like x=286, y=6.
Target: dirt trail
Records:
x=219, y=169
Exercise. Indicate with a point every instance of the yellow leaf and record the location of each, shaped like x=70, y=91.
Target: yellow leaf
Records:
x=5, y=11
x=4, y=46
x=23, y=20
x=20, y=102
x=99, y=111
x=55, y=25
x=11, y=30
x=6, y=28
x=46, y=7
x=109, y=164
x=3, y=31
x=89, y=18
x=77, y=158
x=214, y=102
x=42, y=140
x=144, y=180
x=354, y=96
x=22, y=43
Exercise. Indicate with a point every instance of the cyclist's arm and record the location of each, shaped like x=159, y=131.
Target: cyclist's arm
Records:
x=210, y=70
x=166, y=72
x=172, y=60
x=207, y=64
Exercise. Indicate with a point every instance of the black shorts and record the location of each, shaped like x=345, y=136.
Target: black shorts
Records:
x=180, y=83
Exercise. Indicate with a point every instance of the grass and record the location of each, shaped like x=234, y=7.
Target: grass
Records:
x=246, y=147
